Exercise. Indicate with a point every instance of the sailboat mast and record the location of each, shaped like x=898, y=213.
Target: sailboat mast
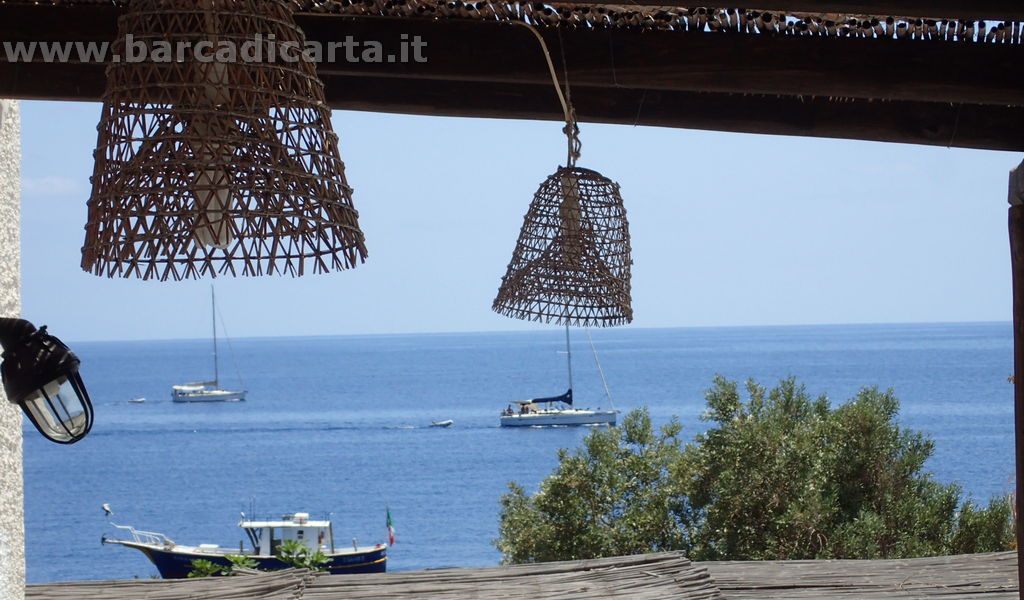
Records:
x=568, y=354
x=597, y=361
x=213, y=315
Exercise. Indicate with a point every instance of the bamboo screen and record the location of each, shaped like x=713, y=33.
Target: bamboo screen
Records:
x=690, y=19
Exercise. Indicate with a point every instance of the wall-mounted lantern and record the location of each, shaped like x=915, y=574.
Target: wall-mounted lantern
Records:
x=40, y=374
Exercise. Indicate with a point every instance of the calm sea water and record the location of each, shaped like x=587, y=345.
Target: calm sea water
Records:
x=339, y=425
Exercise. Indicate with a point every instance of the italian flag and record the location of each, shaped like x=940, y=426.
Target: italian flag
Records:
x=391, y=529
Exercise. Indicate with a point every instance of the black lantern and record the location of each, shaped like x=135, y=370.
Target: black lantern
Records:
x=40, y=373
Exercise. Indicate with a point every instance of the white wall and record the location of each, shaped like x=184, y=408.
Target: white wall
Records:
x=12, y=513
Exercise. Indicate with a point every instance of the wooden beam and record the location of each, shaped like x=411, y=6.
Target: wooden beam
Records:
x=53, y=81
x=962, y=126
x=502, y=53
x=1016, y=227
x=46, y=22
x=658, y=79
x=878, y=69
x=983, y=127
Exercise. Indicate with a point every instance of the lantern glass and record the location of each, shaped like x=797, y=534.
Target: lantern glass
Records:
x=60, y=409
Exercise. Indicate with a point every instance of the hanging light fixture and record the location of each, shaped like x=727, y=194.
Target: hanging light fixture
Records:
x=40, y=374
x=572, y=262
x=219, y=158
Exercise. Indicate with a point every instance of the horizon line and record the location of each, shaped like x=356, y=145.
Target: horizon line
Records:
x=539, y=328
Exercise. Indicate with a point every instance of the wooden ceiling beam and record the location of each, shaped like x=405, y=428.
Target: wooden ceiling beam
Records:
x=52, y=81
x=687, y=81
x=929, y=123
x=761, y=64
x=934, y=124
x=501, y=53
x=46, y=22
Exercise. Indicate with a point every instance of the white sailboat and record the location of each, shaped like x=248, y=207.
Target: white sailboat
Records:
x=530, y=413
x=207, y=391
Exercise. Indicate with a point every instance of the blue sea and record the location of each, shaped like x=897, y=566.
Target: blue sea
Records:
x=339, y=425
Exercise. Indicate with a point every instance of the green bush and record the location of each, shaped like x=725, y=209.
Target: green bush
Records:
x=294, y=554
x=777, y=475
x=205, y=568
x=611, y=497
x=241, y=562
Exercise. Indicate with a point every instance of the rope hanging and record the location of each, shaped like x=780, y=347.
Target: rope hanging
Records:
x=572, y=262
x=228, y=166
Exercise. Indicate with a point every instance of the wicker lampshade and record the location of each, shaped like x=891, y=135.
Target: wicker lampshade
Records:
x=206, y=167
x=571, y=263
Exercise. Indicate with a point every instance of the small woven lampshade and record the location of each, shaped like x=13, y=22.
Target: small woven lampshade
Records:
x=227, y=166
x=572, y=261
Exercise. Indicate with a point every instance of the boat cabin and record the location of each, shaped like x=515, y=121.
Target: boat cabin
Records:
x=526, y=407
x=266, y=536
x=189, y=387
x=523, y=407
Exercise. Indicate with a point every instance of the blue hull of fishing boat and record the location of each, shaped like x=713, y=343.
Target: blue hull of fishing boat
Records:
x=177, y=564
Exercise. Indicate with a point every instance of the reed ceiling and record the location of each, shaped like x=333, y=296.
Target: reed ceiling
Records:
x=898, y=71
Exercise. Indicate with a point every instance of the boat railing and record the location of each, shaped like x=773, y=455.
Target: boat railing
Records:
x=145, y=537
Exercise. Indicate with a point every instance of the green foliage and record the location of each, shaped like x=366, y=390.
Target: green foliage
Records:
x=782, y=475
x=778, y=475
x=984, y=530
x=294, y=554
x=241, y=562
x=205, y=568
x=613, y=496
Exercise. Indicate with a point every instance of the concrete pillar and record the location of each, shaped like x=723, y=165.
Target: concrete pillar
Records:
x=12, y=491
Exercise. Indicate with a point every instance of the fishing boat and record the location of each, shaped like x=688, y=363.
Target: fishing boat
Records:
x=207, y=391
x=174, y=561
x=552, y=411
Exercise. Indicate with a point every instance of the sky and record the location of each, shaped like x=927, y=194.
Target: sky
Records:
x=727, y=230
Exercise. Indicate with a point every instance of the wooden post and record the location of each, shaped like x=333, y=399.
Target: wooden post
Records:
x=1016, y=222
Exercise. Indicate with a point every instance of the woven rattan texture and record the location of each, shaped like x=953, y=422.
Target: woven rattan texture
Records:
x=770, y=19
x=572, y=262
x=227, y=166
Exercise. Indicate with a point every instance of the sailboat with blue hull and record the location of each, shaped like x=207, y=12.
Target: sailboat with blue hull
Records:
x=559, y=410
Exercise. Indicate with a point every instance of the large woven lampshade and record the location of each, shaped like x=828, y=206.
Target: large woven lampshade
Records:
x=223, y=166
x=572, y=262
